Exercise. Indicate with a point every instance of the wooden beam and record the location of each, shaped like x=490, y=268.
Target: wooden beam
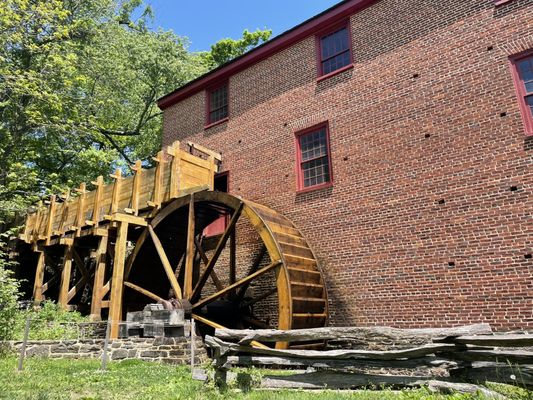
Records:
x=241, y=282
x=80, y=211
x=214, y=277
x=175, y=169
x=50, y=219
x=220, y=246
x=133, y=255
x=158, y=177
x=143, y=291
x=166, y=264
x=74, y=290
x=117, y=176
x=65, y=277
x=135, y=186
x=99, y=183
x=99, y=276
x=49, y=283
x=360, y=334
x=117, y=283
x=233, y=256
x=80, y=264
x=189, y=252
x=39, y=278
x=130, y=219
x=253, y=268
x=205, y=150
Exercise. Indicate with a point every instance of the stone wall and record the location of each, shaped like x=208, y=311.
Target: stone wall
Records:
x=168, y=350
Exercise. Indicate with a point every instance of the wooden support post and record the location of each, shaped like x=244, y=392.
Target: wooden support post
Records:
x=117, y=176
x=158, y=184
x=135, y=189
x=175, y=169
x=65, y=276
x=99, y=183
x=99, y=276
x=80, y=212
x=39, y=278
x=50, y=219
x=117, y=280
x=233, y=256
x=190, y=252
x=212, y=170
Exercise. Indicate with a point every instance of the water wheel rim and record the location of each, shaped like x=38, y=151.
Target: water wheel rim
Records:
x=254, y=213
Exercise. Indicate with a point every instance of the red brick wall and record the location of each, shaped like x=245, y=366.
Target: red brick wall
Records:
x=421, y=227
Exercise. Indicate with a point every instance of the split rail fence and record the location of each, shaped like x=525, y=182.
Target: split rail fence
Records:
x=463, y=356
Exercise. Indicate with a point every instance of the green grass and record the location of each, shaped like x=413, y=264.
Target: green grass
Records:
x=81, y=380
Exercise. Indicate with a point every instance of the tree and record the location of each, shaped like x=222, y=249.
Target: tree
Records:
x=227, y=49
x=78, y=84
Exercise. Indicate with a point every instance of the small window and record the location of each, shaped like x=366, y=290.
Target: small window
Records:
x=335, y=50
x=217, y=104
x=523, y=77
x=313, y=155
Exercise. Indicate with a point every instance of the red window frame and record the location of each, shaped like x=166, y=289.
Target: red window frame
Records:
x=520, y=87
x=299, y=171
x=321, y=35
x=208, y=122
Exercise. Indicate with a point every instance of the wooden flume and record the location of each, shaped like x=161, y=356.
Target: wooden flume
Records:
x=141, y=239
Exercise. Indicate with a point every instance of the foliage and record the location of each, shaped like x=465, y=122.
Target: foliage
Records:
x=8, y=301
x=227, y=49
x=49, y=322
x=68, y=379
x=78, y=84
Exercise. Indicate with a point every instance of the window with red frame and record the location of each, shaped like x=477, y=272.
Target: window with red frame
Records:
x=523, y=72
x=314, y=165
x=217, y=109
x=335, y=50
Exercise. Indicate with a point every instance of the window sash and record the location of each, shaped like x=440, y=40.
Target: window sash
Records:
x=219, y=98
x=317, y=162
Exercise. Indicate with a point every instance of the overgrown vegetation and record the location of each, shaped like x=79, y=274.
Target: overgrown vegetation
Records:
x=9, y=293
x=68, y=379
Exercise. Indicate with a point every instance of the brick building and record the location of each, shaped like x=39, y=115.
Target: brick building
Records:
x=396, y=135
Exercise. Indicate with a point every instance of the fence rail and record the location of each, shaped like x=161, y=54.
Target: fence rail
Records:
x=469, y=354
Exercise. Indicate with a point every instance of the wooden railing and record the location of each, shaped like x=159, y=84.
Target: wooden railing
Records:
x=470, y=355
x=145, y=190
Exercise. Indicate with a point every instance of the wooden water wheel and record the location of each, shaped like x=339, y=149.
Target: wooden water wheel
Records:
x=224, y=285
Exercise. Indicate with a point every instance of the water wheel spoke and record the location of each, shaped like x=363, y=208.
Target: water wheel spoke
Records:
x=216, y=325
x=214, y=277
x=143, y=291
x=236, y=285
x=189, y=252
x=133, y=255
x=166, y=264
x=253, y=268
x=220, y=246
x=251, y=302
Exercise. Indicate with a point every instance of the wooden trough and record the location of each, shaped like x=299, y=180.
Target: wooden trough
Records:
x=141, y=238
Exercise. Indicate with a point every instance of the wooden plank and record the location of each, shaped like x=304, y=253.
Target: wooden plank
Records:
x=137, y=176
x=507, y=356
x=64, y=287
x=50, y=220
x=415, y=352
x=215, y=325
x=220, y=246
x=49, y=283
x=496, y=372
x=143, y=291
x=175, y=170
x=205, y=150
x=236, y=285
x=166, y=264
x=189, y=252
x=117, y=176
x=363, y=334
x=130, y=219
x=255, y=264
x=79, y=222
x=99, y=276
x=77, y=287
x=117, y=285
x=506, y=340
x=158, y=184
x=99, y=183
x=326, y=363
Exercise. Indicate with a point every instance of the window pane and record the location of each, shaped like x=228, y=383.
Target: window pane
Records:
x=334, y=43
x=315, y=172
x=336, y=63
x=529, y=86
x=313, y=145
x=218, y=104
x=525, y=69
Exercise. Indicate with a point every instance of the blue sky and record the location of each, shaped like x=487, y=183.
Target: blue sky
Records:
x=205, y=22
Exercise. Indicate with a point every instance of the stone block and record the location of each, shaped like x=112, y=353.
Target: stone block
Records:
x=38, y=351
x=154, y=330
x=136, y=316
x=119, y=354
x=153, y=353
x=164, y=341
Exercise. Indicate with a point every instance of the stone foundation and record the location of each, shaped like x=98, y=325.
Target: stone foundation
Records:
x=168, y=350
